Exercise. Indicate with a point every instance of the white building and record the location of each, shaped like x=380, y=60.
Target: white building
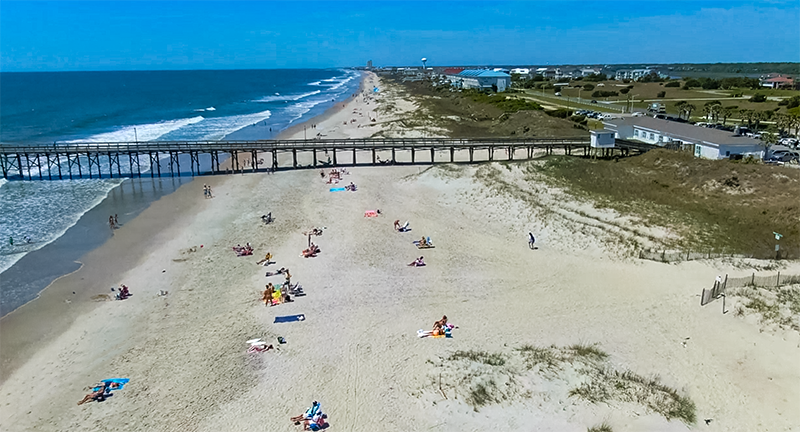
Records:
x=520, y=71
x=481, y=79
x=587, y=72
x=704, y=142
x=632, y=74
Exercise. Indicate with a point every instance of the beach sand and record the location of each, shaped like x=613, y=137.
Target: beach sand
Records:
x=357, y=351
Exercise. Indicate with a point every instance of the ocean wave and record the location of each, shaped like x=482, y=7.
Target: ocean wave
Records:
x=315, y=83
x=299, y=109
x=51, y=218
x=142, y=132
x=206, y=109
x=216, y=128
x=291, y=97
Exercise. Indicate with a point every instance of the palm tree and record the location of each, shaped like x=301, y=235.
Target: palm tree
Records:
x=728, y=111
x=711, y=110
x=689, y=108
x=679, y=106
x=783, y=122
x=748, y=115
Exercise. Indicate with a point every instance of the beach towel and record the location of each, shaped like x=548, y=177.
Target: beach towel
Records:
x=120, y=381
x=337, y=189
x=419, y=246
x=371, y=213
x=289, y=318
x=427, y=333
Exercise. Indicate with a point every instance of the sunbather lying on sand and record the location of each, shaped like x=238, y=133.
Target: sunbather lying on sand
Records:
x=100, y=392
x=417, y=263
x=275, y=273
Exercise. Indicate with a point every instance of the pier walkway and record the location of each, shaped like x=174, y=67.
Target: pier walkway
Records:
x=164, y=158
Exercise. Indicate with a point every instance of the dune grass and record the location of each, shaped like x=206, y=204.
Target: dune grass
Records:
x=602, y=427
x=493, y=377
x=712, y=205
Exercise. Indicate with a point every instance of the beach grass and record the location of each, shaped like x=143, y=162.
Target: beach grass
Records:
x=602, y=427
x=493, y=377
x=491, y=359
x=712, y=205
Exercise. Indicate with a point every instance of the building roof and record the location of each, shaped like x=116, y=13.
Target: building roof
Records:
x=684, y=131
x=484, y=73
x=779, y=79
x=452, y=71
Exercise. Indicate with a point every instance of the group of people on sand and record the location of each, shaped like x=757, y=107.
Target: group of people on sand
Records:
x=313, y=419
x=123, y=292
x=312, y=251
x=243, y=250
x=113, y=222
x=269, y=297
x=351, y=187
x=207, y=192
x=267, y=218
x=334, y=176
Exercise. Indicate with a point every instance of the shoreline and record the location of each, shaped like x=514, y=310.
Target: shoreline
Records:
x=55, y=294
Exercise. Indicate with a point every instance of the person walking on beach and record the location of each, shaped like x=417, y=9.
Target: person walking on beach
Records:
x=116, y=220
x=531, y=240
x=205, y=191
x=111, y=222
x=210, y=195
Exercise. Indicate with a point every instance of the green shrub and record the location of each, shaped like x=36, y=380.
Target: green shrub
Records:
x=604, y=93
x=661, y=94
x=625, y=91
x=758, y=97
x=560, y=113
x=673, y=84
x=588, y=87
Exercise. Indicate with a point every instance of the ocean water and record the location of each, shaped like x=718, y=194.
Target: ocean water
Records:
x=65, y=107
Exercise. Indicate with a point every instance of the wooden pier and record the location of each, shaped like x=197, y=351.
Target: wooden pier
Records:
x=164, y=158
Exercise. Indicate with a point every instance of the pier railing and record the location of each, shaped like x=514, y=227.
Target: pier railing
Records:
x=131, y=159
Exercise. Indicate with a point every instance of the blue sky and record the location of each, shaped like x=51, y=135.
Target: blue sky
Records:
x=55, y=36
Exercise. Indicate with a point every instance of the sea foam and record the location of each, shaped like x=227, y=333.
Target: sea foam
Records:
x=141, y=132
x=292, y=97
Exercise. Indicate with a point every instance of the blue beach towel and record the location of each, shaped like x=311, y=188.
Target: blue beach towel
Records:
x=120, y=381
x=289, y=318
x=337, y=189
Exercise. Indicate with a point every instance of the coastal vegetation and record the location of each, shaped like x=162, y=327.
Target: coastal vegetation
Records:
x=711, y=205
x=582, y=372
x=471, y=113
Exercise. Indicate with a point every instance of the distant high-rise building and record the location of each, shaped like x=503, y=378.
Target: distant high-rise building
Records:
x=369, y=64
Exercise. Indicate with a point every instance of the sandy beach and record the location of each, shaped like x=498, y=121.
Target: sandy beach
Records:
x=357, y=350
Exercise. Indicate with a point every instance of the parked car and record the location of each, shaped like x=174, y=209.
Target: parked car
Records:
x=638, y=114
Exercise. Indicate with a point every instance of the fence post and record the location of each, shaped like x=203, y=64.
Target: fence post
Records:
x=725, y=287
x=753, y=280
x=687, y=255
x=778, y=281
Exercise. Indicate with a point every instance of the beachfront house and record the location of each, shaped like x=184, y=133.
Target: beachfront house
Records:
x=703, y=142
x=632, y=74
x=776, y=81
x=481, y=79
